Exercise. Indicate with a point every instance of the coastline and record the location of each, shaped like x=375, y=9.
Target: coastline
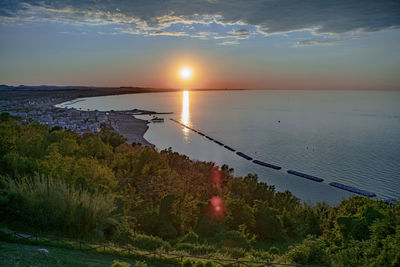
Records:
x=131, y=128
x=51, y=106
x=48, y=97
x=50, y=109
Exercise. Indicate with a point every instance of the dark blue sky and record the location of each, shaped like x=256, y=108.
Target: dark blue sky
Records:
x=237, y=44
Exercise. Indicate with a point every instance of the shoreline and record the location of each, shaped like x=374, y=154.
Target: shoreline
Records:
x=131, y=128
x=123, y=121
x=51, y=108
x=48, y=98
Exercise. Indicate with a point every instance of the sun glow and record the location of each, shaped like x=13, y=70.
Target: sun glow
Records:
x=185, y=73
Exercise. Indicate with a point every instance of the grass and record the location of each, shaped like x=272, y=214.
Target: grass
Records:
x=15, y=254
x=92, y=254
x=54, y=205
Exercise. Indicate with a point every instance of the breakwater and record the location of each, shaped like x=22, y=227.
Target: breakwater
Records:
x=275, y=167
x=352, y=189
x=265, y=164
x=241, y=154
x=307, y=176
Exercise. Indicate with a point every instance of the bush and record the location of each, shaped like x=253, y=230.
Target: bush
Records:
x=5, y=116
x=190, y=237
x=232, y=239
x=140, y=264
x=120, y=264
x=207, y=228
x=263, y=255
x=187, y=263
x=235, y=252
x=274, y=250
x=268, y=225
x=195, y=249
x=310, y=251
x=148, y=242
x=53, y=205
x=123, y=234
x=167, y=230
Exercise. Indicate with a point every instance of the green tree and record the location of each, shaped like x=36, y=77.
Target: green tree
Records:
x=112, y=138
x=268, y=226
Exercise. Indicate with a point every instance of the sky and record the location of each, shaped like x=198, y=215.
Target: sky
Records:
x=254, y=44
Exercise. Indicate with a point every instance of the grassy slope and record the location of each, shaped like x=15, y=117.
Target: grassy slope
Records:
x=12, y=254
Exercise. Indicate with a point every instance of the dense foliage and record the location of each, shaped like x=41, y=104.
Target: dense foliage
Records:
x=97, y=186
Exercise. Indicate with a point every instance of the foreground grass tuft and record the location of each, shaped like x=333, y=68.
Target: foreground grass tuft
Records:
x=13, y=254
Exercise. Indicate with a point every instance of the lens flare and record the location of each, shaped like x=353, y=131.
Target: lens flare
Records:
x=216, y=210
x=216, y=177
x=216, y=201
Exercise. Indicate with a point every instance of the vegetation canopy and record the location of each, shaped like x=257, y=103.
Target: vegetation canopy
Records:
x=98, y=187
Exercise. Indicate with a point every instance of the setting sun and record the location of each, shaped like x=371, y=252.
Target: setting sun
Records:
x=185, y=73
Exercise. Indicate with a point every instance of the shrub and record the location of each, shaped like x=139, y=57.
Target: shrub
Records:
x=148, y=242
x=235, y=252
x=123, y=234
x=190, y=237
x=140, y=264
x=310, y=251
x=120, y=264
x=240, y=213
x=195, y=249
x=5, y=116
x=274, y=250
x=232, y=239
x=53, y=205
x=268, y=226
x=263, y=255
x=167, y=230
x=112, y=138
x=207, y=228
x=187, y=263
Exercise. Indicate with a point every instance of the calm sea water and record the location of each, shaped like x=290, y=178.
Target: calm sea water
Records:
x=351, y=137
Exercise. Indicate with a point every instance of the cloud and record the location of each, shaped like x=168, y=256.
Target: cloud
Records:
x=162, y=33
x=242, y=31
x=309, y=42
x=148, y=17
x=325, y=40
x=202, y=35
x=235, y=42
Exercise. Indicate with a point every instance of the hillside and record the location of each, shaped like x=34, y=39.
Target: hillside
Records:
x=97, y=187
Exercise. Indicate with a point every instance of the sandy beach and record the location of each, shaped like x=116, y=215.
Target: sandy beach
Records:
x=126, y=124
x=130, y=127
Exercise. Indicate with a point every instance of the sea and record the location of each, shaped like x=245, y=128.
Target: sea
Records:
x=349, y=137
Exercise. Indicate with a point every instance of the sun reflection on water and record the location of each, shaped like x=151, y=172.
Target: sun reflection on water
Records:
x=185, y=116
